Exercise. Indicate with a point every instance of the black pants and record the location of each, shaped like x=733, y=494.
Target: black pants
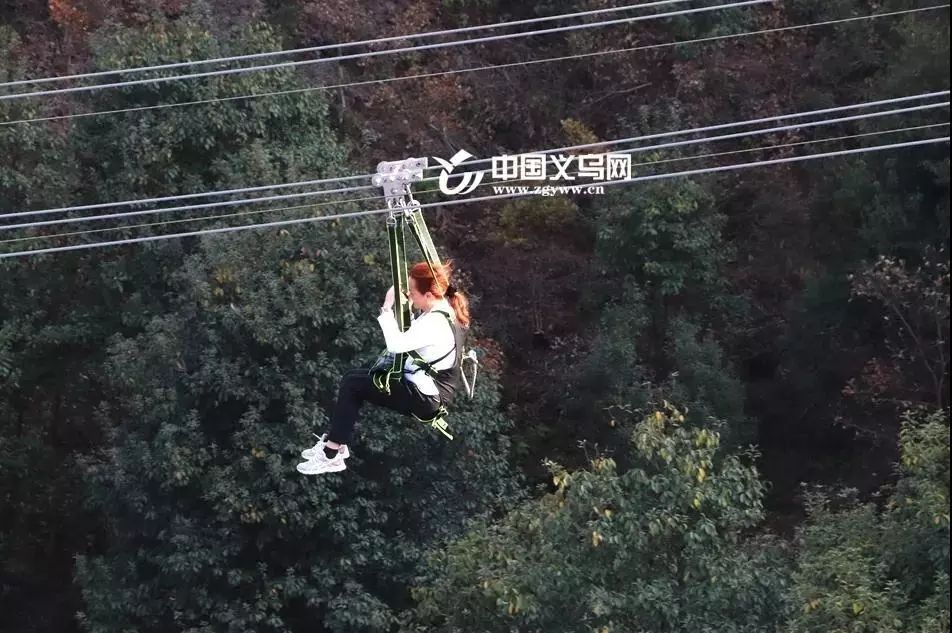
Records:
x=356, y=387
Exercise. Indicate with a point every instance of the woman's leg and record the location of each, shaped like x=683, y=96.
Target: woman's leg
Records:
x=356, y=387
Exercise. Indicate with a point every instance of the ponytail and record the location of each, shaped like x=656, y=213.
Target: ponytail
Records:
x=460, y=305
x=441, y=288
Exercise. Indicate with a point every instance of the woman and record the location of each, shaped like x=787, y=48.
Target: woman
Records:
x=435, y=335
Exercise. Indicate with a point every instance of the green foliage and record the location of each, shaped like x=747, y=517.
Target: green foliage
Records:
x=655, y=548
x=463, y=5
x=705, y=382
x=700, y=377
x=894, y=205
x=201, y=482
x=41, y=388
x=577, y=132
x=711, y=23
x=33, y=169
x=919, y=515
x=853, y=591
x=212, y=528
x=922, y=55
x=189, y=373
x=915, y=302
x=895, y=201
x=525, y=221
x=228, y=142
x=613, y=370
x=864, y=569
x=665, y=234
x=890, y=56
x=8, y=369
x=819, y=325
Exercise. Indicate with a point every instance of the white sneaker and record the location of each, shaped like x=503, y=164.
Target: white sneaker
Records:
x=320, y=464
x=311, y=453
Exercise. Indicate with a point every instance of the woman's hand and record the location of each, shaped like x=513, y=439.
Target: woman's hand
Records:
x=388, y=300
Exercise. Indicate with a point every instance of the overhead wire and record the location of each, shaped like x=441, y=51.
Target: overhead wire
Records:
x=191, y=207
x=698, y=130
x=817, y=141
x=223, y=216
x=479, y=186
x=614, y=142
x=407, y=49
x=206, y=194
x=211, y=205
x=724, y=126
x=469, y=70
x=340, y=46
x=721, y=137
x=650, y=177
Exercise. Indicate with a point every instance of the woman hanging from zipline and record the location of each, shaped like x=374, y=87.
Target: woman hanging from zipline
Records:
x=431, y=375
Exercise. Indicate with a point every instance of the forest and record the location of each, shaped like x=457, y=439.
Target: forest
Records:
x=714, y=401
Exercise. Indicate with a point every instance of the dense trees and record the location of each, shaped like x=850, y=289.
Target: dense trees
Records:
x=221, y=368
x=655, y=547
x=196, y=482
x=862, y=568
x=662, y=547
x=154, y=397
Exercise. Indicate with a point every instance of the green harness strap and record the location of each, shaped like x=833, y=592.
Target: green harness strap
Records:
x=390, y=367
x=438, y=422
x=422, y=236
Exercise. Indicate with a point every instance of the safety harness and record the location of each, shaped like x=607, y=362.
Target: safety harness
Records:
x=395, y=178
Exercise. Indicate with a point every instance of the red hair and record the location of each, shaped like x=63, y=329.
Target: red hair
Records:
x=438, y=285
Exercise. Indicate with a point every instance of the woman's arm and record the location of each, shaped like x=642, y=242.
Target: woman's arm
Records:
x=420, y=334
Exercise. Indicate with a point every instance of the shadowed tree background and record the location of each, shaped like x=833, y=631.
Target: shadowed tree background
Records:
x=712, y=403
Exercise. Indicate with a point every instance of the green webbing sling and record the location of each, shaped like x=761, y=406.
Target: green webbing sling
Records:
x=390, y=368
x=393, y=370
x=422, y=236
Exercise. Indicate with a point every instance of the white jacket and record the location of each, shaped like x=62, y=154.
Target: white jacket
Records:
x=429, y=335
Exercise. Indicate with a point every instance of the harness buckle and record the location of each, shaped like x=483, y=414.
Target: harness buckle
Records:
x=440, y=425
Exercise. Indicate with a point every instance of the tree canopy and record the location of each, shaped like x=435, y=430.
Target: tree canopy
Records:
x=707, y=403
